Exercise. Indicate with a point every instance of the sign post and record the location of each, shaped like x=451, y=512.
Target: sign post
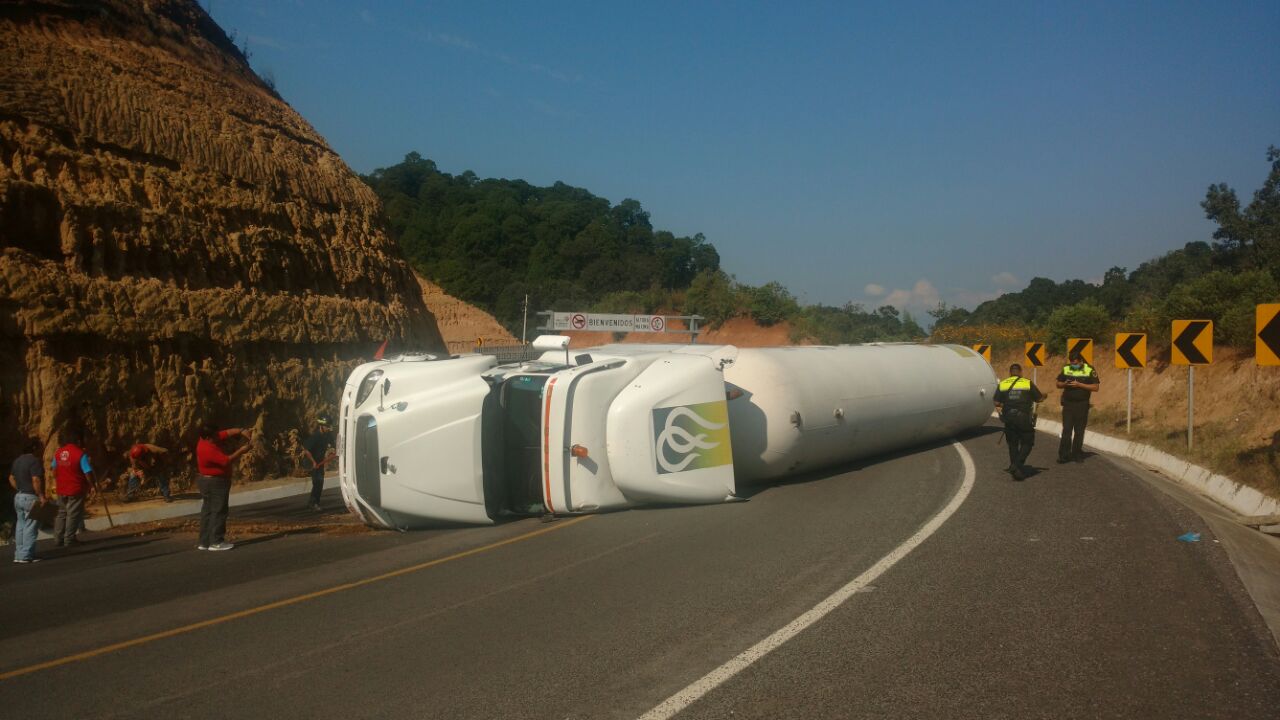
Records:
x=1192, y=346
x=1131, y=352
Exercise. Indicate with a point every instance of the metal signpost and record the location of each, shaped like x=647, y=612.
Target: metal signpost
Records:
x=1192, y=345
x=1131, y=352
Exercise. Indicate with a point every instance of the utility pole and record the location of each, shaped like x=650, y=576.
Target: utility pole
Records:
x=524, y=329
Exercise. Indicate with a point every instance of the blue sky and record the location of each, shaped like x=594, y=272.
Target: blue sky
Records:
x=901, y=152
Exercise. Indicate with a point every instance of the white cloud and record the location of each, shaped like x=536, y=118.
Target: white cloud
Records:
x=874, y=290
x=923, y=296
x=1005, y=280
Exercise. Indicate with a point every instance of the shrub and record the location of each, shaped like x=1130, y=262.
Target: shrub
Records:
x=1226, y=298
x=1087, y=319
x=770, y=303
x=711, y=295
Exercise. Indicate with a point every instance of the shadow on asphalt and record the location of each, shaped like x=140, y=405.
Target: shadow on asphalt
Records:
x=826, y=473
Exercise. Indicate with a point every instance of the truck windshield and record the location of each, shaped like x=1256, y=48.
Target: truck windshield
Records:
x=521, y=401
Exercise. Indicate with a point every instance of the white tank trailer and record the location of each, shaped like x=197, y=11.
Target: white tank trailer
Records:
x=425, y=441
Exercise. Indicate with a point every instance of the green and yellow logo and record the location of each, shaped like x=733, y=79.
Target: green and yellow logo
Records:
x=692, y=437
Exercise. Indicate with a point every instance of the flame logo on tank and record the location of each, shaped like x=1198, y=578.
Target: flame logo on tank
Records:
x=692, y=437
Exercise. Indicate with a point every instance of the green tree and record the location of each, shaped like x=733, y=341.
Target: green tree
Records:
x=1084, y=319
x=1251, y=235
x=711, y=295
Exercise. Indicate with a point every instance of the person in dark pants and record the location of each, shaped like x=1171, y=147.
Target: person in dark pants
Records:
x=317, y=449
x=27, y=479
x=214, y=483
x=1078, y=382
x=1016, y=397
x=74, y=480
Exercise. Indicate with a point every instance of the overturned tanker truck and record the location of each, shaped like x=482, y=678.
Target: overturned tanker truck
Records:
x=464, y=439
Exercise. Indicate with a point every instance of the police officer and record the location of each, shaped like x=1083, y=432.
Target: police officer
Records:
x=1015, y=397
x=1078, y=382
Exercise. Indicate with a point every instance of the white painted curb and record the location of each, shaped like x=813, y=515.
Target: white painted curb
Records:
x=1241, y=499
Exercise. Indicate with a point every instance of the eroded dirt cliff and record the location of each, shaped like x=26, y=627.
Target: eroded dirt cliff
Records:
x=178, y=243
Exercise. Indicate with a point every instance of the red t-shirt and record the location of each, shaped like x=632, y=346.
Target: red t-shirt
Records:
x=69, y=468
x=137, y=451
x=210, y=460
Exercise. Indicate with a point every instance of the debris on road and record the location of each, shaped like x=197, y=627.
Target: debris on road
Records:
x=1189, y=537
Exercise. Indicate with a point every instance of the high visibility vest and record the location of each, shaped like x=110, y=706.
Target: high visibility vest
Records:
x=1015, y=383
x=1084, y=371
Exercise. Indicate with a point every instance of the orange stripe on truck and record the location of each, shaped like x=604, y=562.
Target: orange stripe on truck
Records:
x=546, y=448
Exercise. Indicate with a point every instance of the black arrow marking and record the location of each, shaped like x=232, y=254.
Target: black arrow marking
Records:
x=1078, y=347
x=982, y=349
x=1125, y=351
x=1185, y=342
x=1033, y=354
x=1270, y=335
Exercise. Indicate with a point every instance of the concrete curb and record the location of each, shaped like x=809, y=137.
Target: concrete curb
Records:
x=184, y=508
x=1240, y=499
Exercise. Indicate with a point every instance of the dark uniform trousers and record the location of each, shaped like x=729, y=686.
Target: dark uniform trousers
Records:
x=1019, y=434
x=1075, y=416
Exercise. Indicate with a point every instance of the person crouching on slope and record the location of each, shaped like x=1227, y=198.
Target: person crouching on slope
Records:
x=214, y=483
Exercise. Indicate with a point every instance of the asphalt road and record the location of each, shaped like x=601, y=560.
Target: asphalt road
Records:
x=1067, y=595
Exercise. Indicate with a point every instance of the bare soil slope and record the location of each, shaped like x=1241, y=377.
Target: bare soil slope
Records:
x=177, y=242
x=462, y=324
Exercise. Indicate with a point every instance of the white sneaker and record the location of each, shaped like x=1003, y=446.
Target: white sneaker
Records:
x=224, y=545
x=202, y=547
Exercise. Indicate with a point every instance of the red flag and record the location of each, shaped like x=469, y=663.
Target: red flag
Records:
x=378, y=355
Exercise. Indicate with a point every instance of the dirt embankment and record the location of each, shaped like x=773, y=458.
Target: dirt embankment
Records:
x=178, y=243
x=1237, y=410
x=461, y=325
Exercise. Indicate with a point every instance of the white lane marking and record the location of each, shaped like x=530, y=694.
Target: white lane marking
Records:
x=696, y=690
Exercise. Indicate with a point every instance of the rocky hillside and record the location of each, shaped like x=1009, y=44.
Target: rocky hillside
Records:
x=177, y=242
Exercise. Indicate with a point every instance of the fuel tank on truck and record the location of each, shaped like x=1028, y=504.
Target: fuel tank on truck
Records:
x=803, y=408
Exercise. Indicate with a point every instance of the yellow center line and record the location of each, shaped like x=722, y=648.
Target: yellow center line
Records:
x=279, y=603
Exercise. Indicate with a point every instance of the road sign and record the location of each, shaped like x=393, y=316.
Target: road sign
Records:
x=1131, y=350
x=984, y=351
x=1084, y=346
x=1267, y=344
x=1192, y=342
x=599, y=322
x=1035, y=354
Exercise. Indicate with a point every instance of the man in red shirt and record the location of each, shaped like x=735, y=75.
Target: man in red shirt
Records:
x=142, y=459
x=214, y=482
x=74, y=480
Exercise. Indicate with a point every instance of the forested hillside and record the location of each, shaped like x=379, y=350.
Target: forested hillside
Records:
x=492, y=241
x=1220, y=281
x=489, y=242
